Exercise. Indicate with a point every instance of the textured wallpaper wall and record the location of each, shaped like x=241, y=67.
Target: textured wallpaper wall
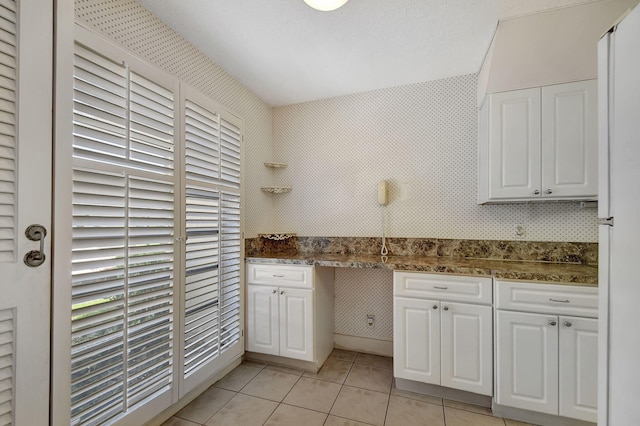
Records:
x=423, y=139
x=135, y=28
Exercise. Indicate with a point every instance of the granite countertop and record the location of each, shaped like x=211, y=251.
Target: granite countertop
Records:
x=501, y=269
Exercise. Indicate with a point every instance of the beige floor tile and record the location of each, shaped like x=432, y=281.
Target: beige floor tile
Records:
x=455, y=417
x=375, y=360
x=271, y=385
x=509, y=422
x=313, y=394
x=369, y=377
x=417, y=396
x=333, y=370
x=287, y=370
x=409, y=412
x=206, y=405
x=361, y=405
x=243, y=410
x=287, y=415
x=343, y=355
x=339, y=421
x=175, y=421
x=468, y=407
x=256, y=364
x=238, y=378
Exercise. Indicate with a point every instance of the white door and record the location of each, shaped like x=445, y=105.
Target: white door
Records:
x=527, y=361
x=26, y=40
x=467, y=347
x=262, y=316
x=296, y=323
x=514, y=144
x=621, y=286
x=569, y=140
x=578, y=366
x=416, y=340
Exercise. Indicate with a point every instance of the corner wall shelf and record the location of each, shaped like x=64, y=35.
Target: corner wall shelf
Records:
x=276, y=189
x=276, y=165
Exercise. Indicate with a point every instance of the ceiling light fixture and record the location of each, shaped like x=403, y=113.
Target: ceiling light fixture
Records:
x=325, y=5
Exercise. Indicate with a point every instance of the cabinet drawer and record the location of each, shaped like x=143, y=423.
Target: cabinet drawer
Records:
x=443, y=287
x=547, y=298
x=281, y=275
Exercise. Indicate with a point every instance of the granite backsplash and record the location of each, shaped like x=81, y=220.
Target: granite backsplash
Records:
x=531, y=251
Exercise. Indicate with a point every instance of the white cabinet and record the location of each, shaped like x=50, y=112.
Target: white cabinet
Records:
x=290, y=311
x=438, y=340
x=539, y=144
x=546, y=359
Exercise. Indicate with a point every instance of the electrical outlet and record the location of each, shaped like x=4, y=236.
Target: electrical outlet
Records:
x=370, y=320
x=520, y=232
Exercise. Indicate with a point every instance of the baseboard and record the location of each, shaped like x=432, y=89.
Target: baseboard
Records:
x=443, y=392
x=533, y=417
x=310, y=366
x=363, y=344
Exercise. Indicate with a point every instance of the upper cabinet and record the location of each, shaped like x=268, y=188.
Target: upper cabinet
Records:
x=539, y=144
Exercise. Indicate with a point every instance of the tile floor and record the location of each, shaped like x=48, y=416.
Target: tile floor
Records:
x=351, y=389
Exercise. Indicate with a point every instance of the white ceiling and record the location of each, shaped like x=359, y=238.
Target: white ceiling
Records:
x=288, y=53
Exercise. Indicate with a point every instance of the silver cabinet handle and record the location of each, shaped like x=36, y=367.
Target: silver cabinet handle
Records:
x=435, y=306
x=552, y=323
x=446, y=308
x=536, y=192
x=440, y=287
x=278, y=276
x=559, y=301
x=35, y=258
x=567, y=324
x=548, y=191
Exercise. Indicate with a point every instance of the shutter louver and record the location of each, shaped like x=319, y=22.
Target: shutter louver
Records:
x=202, y=143
x=150, y=287
x=8, y=143
x=230, y=236
x=201, y=315
x=7, y=349
x=98, y=296
x=230, y=153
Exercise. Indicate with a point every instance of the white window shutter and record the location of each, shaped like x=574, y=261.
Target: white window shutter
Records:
x=8, y=143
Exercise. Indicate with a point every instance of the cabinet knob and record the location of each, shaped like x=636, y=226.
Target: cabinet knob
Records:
x=281, y=291
x=274, y=291
x=446, y=308
x=567, y=324
x=536, y=192
x=435, y=306
x=548, y=191
x=552, y=323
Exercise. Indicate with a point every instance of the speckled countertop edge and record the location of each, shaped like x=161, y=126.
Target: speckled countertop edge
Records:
x=553, y=273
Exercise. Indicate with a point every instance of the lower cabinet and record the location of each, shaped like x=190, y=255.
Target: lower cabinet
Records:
x=544, y=362
x=442, y=342
x=290, y=311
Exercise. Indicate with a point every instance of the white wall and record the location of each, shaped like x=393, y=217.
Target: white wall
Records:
x=423, y=139
x=134, y=27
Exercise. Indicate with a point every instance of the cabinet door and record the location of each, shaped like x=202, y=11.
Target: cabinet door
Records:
x=262, y=316
x=579, y=368
x=514, y=144
x=296, y=324
x=569, y=140
x=467, y=347
x=416, y=340
x=527, y=361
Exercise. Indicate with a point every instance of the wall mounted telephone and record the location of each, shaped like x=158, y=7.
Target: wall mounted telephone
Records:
x=383, y=193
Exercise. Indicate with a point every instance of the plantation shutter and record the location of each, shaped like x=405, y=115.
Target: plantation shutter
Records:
x=212, y=223
x=123, y=229
x=8, y=143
